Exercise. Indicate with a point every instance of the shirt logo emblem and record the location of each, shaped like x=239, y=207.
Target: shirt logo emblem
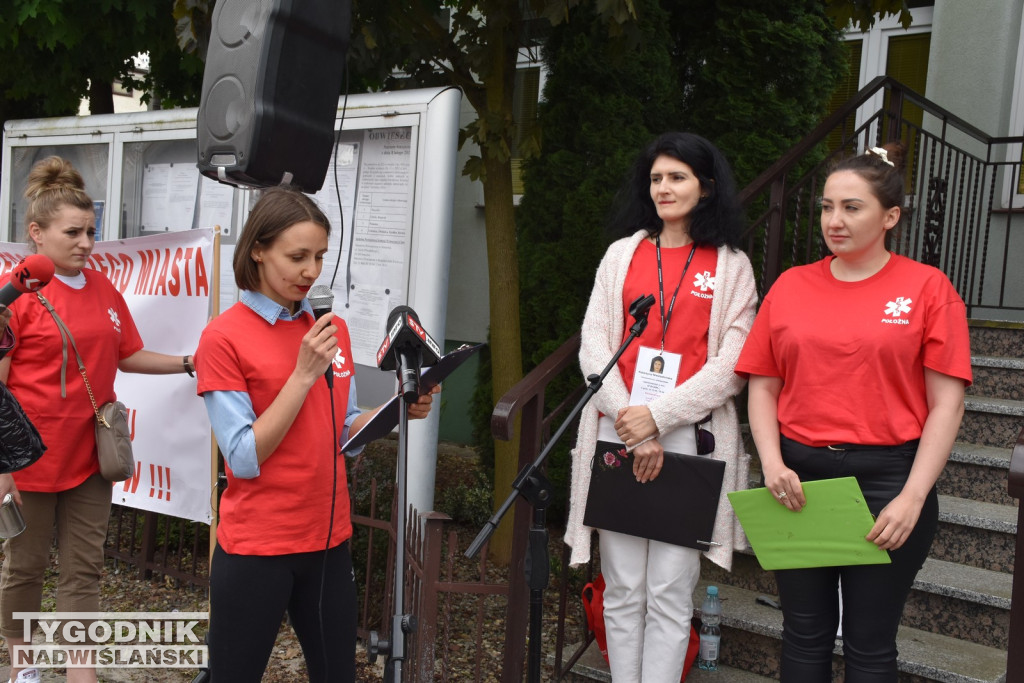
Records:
x=339, y=360
x=705, y=281
x=114, y=319
x=898, y=307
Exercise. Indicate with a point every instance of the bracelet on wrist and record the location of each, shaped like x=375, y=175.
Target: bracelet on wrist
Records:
x=640, y=443
x=188, y=366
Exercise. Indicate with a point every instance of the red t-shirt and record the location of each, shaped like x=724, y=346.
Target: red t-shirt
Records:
x=104, y=333
x=286, y=509
x=687, y=332
x=852, y=354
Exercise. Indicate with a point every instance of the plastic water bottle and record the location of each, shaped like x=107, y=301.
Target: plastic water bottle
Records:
x=710, y=631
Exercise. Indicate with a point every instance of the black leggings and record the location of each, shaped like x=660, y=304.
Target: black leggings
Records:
x=248, y=598
x=873, y=595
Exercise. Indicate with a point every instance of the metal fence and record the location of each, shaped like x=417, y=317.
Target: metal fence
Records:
x=151, y=543
x=961, y=190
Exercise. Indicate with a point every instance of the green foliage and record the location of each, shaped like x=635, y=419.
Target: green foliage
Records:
x=419, y=43
x=596, y=114
x=74, y=42
x=481, y=407
x=467, y=503
x=605, y=97
x=862, y=13
x=757, y=76
x=751, y=76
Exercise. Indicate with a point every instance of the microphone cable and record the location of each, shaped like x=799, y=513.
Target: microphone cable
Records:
x=337, y=187
x=334, y=420
x=330, y=529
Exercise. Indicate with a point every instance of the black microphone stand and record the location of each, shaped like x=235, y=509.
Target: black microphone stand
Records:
x=535, y=488
x=402, y=624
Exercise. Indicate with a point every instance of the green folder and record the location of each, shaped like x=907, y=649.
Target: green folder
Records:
x=829, y=531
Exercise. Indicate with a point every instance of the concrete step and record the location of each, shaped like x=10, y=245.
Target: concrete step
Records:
x=998, y=377
x=991, y=421
x=978, y=473
x=947, y=598
x=976, y=534
x=961, y=602
x=592, y=667
x=997, y=338
x=746, y=573
x=752, y=637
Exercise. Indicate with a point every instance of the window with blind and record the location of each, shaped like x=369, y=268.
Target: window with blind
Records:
x=908, y=64
x=885, y=48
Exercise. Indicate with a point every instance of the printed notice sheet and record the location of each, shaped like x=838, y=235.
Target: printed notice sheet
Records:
x=374, y=170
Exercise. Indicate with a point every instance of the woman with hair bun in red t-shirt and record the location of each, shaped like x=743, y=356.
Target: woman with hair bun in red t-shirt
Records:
x=63, y=494
x=857, y=367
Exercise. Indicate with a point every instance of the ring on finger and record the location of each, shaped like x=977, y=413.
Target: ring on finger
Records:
x=781, y=495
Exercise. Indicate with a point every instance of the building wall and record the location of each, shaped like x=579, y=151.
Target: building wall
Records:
x=468, y=309
x=972, y=65
x=468, y=295
x=973, y=73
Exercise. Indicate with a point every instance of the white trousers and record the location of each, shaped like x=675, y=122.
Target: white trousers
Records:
x=648, y=603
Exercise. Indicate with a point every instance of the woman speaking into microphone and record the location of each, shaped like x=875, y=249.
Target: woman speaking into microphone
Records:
x=283, y=537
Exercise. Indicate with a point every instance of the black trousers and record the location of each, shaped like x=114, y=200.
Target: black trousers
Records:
x=873, y=595
x=249, y=595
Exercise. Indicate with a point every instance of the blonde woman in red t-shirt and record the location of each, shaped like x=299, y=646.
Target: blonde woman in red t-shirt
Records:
x=64, y=489
x=857, y=367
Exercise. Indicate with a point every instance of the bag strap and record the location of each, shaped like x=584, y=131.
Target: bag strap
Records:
x=65, y=337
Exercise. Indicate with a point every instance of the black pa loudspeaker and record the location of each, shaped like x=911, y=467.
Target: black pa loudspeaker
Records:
x=270, y=91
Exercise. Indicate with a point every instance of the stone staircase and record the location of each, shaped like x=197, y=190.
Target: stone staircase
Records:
x=956, y=623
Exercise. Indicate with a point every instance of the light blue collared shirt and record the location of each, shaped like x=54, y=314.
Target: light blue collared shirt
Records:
x=231, y=412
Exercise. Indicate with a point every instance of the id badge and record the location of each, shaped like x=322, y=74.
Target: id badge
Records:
x=655, y=375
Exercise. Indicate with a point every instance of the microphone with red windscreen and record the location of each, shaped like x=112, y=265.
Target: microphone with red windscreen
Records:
x=30, y=275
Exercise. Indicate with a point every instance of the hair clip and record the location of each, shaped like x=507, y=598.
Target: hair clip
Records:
x=882, y=154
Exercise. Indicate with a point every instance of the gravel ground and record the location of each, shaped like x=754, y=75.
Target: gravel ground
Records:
x=122, y=592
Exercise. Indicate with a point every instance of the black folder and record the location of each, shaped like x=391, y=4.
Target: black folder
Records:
x=388, y=416
x=678, y=507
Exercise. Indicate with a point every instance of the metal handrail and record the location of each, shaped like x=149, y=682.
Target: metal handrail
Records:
x=1015, y=486
x=822, y=130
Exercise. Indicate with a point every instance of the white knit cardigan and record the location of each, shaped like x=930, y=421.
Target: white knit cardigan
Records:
x=711, y=389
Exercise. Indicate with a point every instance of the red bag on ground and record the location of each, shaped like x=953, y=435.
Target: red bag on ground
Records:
x=593, y=606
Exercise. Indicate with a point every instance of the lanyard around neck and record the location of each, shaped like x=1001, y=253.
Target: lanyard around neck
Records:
x=665, y=317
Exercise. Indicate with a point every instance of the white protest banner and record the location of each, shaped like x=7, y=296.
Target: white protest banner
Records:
x=166, y=280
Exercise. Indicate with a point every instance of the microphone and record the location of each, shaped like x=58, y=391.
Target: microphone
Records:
x=31, y=275
x=413, y=349
x=321, y=298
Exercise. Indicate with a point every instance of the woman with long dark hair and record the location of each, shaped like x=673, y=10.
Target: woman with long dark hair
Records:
x=678, y=229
